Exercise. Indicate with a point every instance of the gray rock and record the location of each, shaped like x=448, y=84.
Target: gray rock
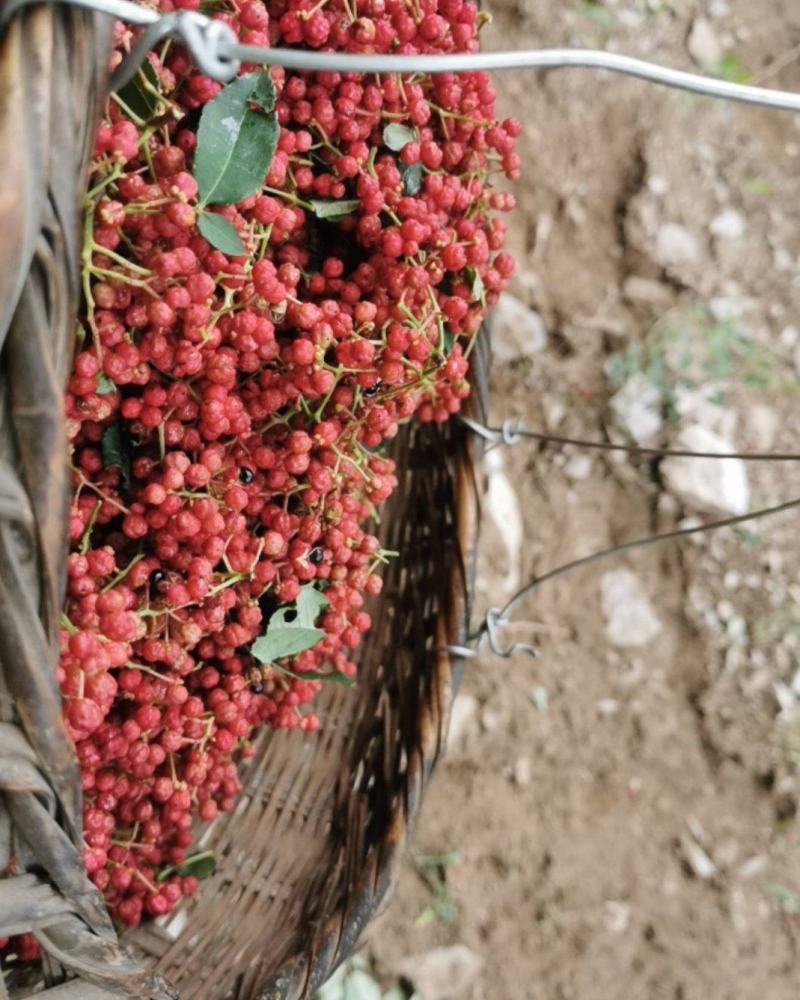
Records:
x=638, y=289
x=442, y=973
x=578, y=467
x=728, y=225
x=523, y=771
x=637, y=407
x=704, y=45
x=676, y=245
x=630, y=619
x=517, y=331
x=710, y=485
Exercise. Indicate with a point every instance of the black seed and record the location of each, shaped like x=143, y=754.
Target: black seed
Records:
x=246, y=475
x=156, y=577
x=257, y=688
x=372, y=389
x=316, y=555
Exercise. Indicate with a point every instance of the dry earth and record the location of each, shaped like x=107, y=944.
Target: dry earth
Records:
x=624, y=816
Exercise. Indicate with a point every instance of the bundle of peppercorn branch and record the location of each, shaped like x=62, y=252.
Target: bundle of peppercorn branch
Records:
x=277, y=273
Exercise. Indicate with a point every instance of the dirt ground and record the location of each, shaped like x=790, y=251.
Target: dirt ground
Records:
x=620, y=820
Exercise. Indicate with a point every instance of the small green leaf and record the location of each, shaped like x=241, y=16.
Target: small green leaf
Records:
x=335, y=676
x=137, y=96
x=476, y=285
x=412, y=178
x=115, y=454
x=288, y=638
x=264, y=93
x=236, y=143
x=104, y=385
x=397, y=136
x=200, y=865
x=789, y=900
x=220, y=233
x=325, y=208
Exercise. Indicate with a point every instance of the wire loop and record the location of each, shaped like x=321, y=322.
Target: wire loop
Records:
x=208, y=40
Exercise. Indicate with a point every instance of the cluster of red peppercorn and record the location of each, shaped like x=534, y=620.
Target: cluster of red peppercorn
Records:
x=226, y=413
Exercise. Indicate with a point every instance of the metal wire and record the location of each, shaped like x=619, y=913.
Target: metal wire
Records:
x=219, y=54
x=495, y=617
x=511, y=432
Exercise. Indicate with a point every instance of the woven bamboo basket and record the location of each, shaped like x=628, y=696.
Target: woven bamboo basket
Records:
x=310, y=854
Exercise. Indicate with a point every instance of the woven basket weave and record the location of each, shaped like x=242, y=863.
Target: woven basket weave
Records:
x=312, y=849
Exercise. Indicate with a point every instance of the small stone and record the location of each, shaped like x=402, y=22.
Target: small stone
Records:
x=502, y=506
x=726, y=308
x=731, y=580
x=637, y=407
x=697, y=859
x=607, y=707
x=789, y=337
x=703, y=44
x=490, y=719
x=646, y=290
x=715, y=486
x=630, y=619
x=578, y=467
x=763, y=423
x=517, y=331
x=676, y=245
x=754, y=867
x=442, y=973
x=523, y=771
x=616, y=916
x=463, y=718
x=728, y=225
x=540, y=698
x=657, y=185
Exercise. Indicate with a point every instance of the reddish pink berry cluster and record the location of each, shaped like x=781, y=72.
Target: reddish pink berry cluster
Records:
x=249, y=397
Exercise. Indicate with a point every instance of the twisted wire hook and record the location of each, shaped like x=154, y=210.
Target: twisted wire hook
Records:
x=208, y=39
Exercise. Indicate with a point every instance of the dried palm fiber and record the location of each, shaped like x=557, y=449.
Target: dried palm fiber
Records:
x=311, y=852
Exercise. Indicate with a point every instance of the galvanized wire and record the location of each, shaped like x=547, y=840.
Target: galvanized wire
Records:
x=510, y=433
x=219, y=54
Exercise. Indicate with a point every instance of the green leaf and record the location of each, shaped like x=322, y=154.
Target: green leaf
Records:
x=789, y=900
x=325, y=208
x=200, y=865
x=220, y=233
x=136, y=95
x=236, y=143
x=104, y=385
x=412, y=178
x=264, y=93
x=287, y=638
x=476, y=285
x=114, y=453
x=335, y=676
x=397, y=136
